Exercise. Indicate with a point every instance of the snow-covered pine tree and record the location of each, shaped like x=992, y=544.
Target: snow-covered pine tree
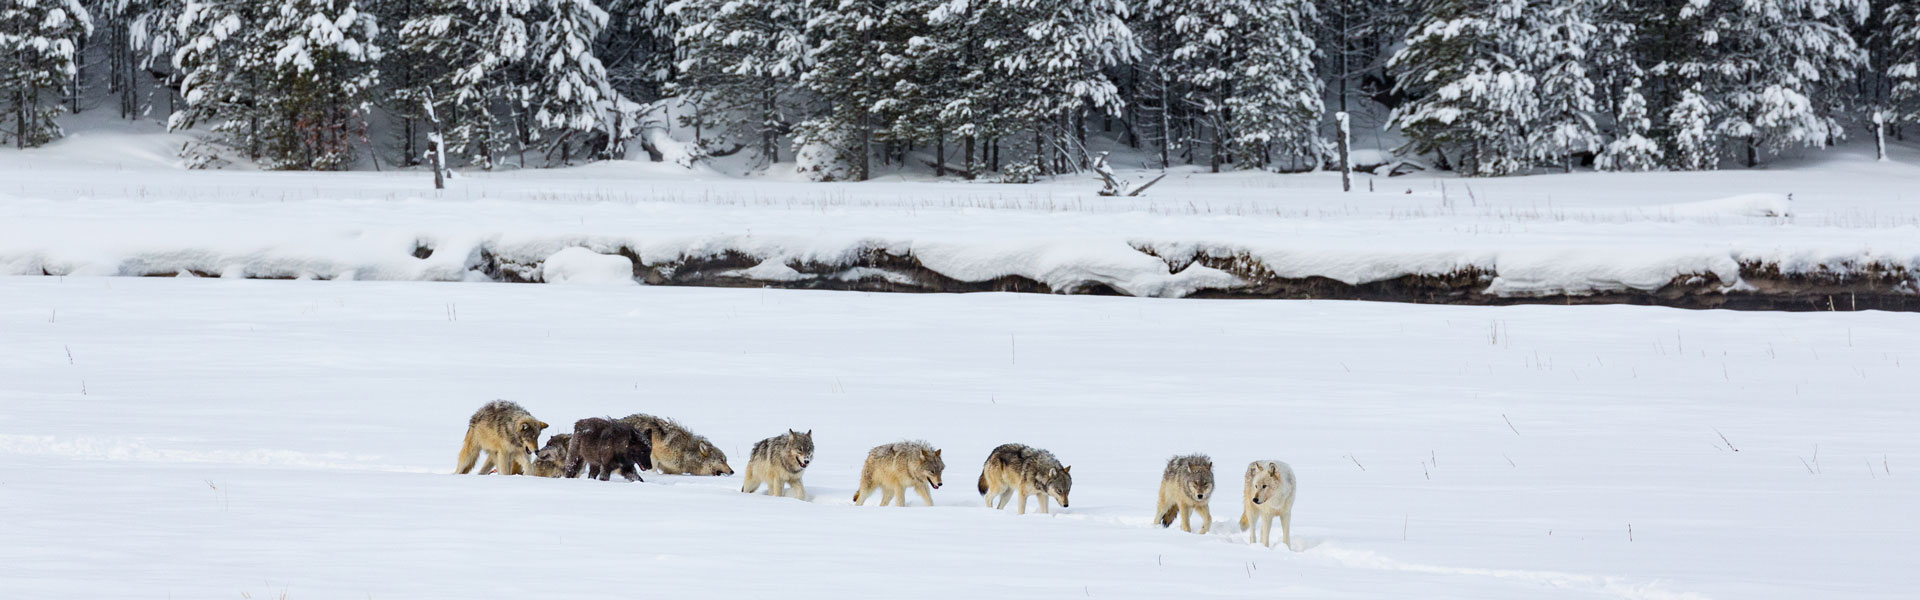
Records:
x=38, y=61
x=289, y=81
x=1472, y=95
x=1046, y=63
x=1903, y=24
x=1777, y=67
x=1203, y=40
x=1631, y=149
x=137, y=35
x=929, y=102
x=1557, y=42
x=638, y=48
x=1274, y=106
x=740, y=60
x=483, y=45
x=572, y=97
x=1691, y=134
x=857, y=57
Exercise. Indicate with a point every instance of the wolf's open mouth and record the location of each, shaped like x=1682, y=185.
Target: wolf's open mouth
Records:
x=936, y=484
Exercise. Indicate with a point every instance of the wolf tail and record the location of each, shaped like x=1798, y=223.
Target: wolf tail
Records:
x=1166, y=519
x=983, y=483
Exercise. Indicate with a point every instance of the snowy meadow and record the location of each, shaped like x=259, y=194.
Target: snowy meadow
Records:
x=223, y=438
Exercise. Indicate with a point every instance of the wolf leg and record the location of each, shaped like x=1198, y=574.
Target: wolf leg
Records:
x=1286, y=523
x=1160, y=513
x=1043, y=503
x=776, y=487
x=925, y=494
x=799, y=491
x=886, y=494
x=1186, y=518
x=1206, y=518
x=1020, y=497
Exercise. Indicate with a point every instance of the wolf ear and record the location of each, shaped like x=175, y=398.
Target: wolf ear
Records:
x=1067, y=469
x=936, y=453
x=809, y=433
x=792, y=432
x=542, y=424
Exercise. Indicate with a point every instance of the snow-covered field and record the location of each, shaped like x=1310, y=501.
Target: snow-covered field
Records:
x=200, y=438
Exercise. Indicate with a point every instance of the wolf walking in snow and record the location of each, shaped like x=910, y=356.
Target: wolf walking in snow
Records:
x=1018, y=470
x=506, y=432
x=1269, y=494
x=779, y=461
x=676, y=450
x=605, y=446
x=891, y=468
x=552, y=457
x=1184, y=489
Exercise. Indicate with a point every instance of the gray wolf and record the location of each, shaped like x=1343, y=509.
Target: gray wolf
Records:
x=1184, y=489
x=552, y=457
x=1269, y=494
x=779, y=461
x=605, y=446
x=891, y=468
x=677, y=451
x=1018, y=470
x=506, y=432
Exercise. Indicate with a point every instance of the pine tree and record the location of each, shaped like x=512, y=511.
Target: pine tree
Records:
x=38, y=63
x=1045, y=64
x=1695, y=147
x=290, y=82
x=1903, y=22
x=573, y=99
x=1778, y=68
x=1274, y=105
x=1631, y=148
x=1472, y=93
x=742, y=58
x=857, y=58
x=1560, y=34
x=482, y=46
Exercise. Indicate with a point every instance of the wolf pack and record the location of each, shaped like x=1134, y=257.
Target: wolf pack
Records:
x=509, y=437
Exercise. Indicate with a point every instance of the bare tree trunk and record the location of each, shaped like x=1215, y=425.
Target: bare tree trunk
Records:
x=1346, y=144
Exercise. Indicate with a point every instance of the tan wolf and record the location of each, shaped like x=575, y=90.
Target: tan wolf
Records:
x=1184, y=489
x=1269, y=494
x=507, y=433
x=1018, y=470
x=779, y=461
x=551, y=457
x=677, y=451
x=891, y=468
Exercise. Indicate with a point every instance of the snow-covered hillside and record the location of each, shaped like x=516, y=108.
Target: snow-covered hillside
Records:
x=220, y=439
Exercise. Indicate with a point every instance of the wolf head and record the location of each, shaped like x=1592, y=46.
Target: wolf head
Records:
x=930, y=467
x=799, y=450
x=1198, y=481
x=1058, y=483
x=556, y=449
x=526, y=431
x=706, y=459
x=1266, y=483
